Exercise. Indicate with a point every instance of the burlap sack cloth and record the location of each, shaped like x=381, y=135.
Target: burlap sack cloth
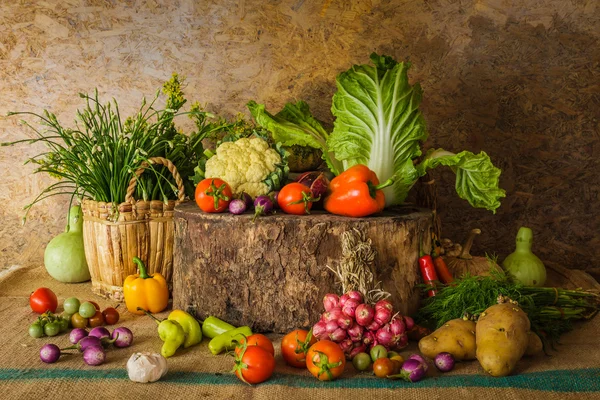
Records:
x=573, y=372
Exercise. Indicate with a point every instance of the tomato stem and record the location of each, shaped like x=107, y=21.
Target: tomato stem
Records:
x=306, y=198
x=216, y=193
x=325, y=366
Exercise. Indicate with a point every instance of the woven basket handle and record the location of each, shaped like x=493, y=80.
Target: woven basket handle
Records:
x=155, y=160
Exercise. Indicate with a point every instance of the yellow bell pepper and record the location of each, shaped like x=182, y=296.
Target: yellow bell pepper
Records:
x=148, y=292
x=193, y=332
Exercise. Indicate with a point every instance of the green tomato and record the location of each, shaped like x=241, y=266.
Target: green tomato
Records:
x=63, y=323
x=378, y=352
x=52, y=329
x=71, y=305
x=361, y=361
x=36, y=330
x=87, y=310
x=392, y=354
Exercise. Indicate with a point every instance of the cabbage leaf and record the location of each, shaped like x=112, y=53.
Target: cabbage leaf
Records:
x=378, y=124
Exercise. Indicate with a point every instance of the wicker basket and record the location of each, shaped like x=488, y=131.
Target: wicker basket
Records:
x=113, y=237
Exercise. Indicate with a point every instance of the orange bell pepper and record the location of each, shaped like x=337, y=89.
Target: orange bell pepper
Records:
x=148, y=292
x=356, y=192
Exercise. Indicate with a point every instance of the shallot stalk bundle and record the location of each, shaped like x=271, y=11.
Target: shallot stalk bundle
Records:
x=361, y=317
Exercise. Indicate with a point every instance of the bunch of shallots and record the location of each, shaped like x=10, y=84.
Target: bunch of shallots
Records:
x=357, y=326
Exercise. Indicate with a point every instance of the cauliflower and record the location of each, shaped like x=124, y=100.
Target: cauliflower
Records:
x=247, y=165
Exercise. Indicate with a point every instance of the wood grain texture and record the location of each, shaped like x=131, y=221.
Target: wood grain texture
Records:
x=272, y=274
x=519, y=79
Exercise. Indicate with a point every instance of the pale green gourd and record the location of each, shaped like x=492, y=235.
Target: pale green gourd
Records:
x=64, y=257
x=523, y=265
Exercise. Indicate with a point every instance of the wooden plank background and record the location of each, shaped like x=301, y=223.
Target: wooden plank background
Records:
x=518, y=79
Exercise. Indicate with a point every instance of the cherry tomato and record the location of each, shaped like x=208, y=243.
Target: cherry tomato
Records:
x=94, y=304
x=383, y=367
x=77, y=321
x=213, y=195
x=111, y=316
x=256, y=340
x=96, y=320
x=254, y=365
x=397, y=366
x=42, y=300
x=295, y=198
x=325, y=360
x=294, y=346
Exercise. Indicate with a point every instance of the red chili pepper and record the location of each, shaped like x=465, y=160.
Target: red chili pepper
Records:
x=441, y=268
x=427, y=268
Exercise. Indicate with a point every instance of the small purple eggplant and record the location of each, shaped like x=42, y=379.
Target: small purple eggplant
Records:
x=122, y=336
x=444, y=362
x=237, y=206
x=94, y=355
x=247, y=199
x=412, y=371
x=263, y=205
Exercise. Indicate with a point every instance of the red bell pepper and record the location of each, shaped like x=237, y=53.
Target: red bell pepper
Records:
x=356, y=192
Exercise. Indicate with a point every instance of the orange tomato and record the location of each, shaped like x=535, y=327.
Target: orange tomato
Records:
x=294, y=346
x=325, y=360
x=383, y=367
x=256, y=340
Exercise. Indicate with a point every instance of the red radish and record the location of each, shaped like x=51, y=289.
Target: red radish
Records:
x=345, y=322
x=343, y=299
x=356, y=295
x=356, y=332
x=361, y=348
x=332, y=315
x=331, y=301
x=373, y=326
x=364, y=314
x=397, y=327
x=320, y=330
x=409, y=322
x=384, y=336
x=368, y=338
x=349, y=307
x=384, y=304
x=382, y=316
x=346, y=345
x=338, y=335
x=331, y=326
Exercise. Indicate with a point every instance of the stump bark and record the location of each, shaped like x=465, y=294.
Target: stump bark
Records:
x=271, y=274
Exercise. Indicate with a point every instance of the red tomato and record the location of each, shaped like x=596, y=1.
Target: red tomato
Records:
x=295, y=198
x=254, y=365
x=325, y=360
x=383, y=367
x=256, y=340
x=111, y=316
x=294, y=346
x=213, y=195
x=42, y=300
x=95, y=305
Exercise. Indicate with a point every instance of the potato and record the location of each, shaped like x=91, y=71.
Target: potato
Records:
x=502, y=337
x=456, y=337
x=534, y=345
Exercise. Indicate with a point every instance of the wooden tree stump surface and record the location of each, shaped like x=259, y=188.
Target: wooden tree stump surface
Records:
x=271, y=274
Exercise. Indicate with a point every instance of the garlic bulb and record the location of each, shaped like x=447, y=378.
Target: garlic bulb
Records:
x=146, y=367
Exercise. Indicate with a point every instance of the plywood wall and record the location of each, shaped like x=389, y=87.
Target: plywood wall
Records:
x=519, y=79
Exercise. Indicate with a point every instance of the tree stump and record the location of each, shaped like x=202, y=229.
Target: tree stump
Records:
x=272, y=274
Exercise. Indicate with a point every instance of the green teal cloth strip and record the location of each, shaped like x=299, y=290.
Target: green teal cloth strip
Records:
x=575, y=381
